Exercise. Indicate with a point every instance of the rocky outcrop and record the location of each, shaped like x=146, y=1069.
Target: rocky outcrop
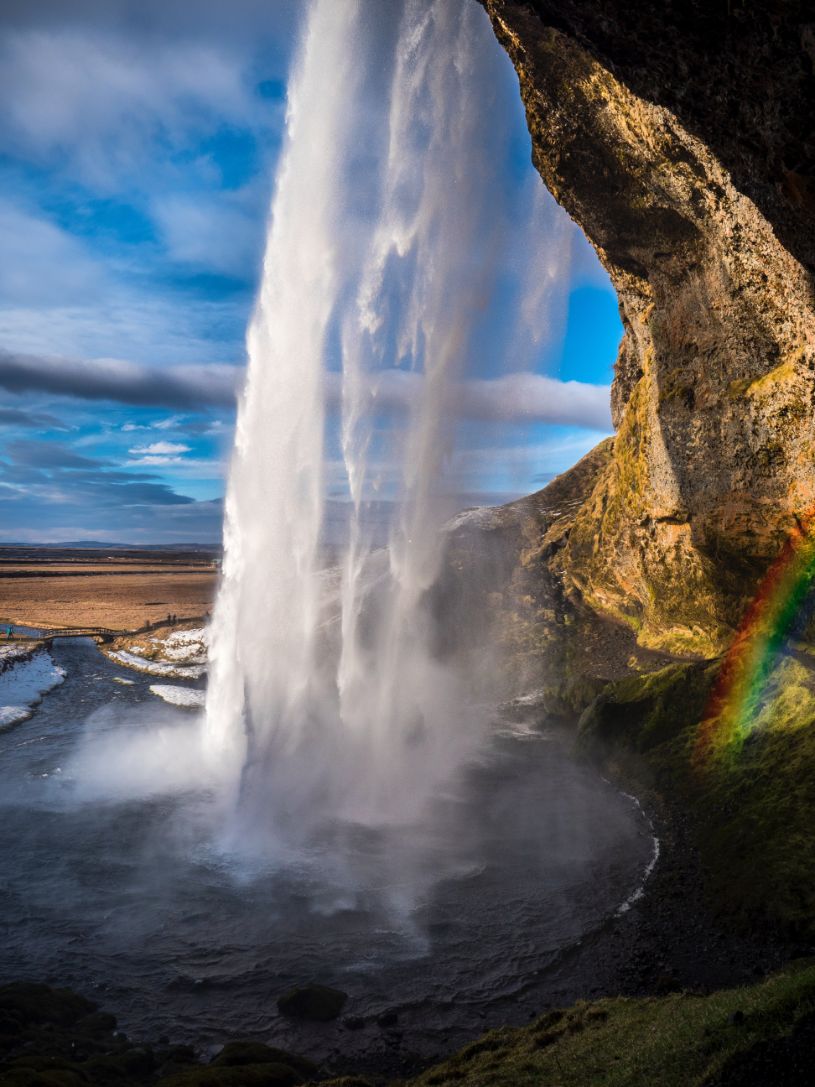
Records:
x=652, y=127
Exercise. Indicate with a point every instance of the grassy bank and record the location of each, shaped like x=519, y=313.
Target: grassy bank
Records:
x=674, y=1041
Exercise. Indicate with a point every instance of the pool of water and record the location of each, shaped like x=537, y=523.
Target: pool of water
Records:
x=452, y=923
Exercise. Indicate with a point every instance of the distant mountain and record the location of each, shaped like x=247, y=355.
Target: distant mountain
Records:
x=109, y=545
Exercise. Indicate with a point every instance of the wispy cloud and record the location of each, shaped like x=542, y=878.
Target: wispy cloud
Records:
x=170, y=423
x=216, y=232
x=41, y=263
x=16, y=417
x=159, y=449
x=107, y=100
x=37, y=454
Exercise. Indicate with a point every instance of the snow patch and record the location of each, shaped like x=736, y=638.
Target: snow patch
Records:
x=23, y=685
x=154, y=667
x=184, y=646
x=12, y=651
x=179, y=696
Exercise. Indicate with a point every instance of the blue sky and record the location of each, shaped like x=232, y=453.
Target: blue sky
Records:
x=137, y=156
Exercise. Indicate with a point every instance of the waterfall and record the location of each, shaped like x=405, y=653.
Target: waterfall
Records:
x=394, y=263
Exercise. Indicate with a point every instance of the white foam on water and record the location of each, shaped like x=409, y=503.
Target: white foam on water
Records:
x=639, y=890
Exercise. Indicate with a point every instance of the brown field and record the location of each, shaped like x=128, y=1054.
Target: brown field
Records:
x=125, y=591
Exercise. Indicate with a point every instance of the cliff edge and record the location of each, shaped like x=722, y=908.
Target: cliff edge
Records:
x=680, y=140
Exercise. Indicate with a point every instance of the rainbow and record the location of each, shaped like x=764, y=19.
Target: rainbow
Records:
x=736, y=699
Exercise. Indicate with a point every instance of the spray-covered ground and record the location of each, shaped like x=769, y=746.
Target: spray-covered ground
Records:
x=114, y=882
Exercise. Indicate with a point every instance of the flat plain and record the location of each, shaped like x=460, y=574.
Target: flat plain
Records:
x=114, y=589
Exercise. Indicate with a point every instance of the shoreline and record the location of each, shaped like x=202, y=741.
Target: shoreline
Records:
x=668, y=938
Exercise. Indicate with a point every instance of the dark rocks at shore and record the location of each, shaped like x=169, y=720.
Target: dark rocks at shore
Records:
x=55, y=1038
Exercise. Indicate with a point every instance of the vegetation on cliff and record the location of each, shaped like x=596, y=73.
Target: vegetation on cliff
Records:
x=674, y=1041
x=750, y=798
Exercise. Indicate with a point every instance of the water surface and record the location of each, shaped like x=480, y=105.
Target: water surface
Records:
x=452, y=923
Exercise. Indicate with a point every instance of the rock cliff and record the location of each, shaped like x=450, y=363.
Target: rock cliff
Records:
x=679, y=137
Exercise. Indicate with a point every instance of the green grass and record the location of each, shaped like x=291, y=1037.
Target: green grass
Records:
x=679, y=1040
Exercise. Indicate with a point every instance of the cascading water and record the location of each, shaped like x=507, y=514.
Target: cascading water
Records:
x=354, y=839
x=392, y=245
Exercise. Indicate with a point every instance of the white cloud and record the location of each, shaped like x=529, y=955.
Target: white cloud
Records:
x=153, y=461
x=159, y=424
x=168, y=423
x=538, y=398
x=187, y=468
x=159, y=449
x=210, y=232
x=59, y=297
x=40, y=264
x=520, y=397
x=98, y=101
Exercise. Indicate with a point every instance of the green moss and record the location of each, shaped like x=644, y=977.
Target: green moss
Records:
x=673, y=1041
x=751, y=802
x=348, y=1081
x=55, y=1077
x=236, y=1054
x=267, y=1074
x=25, y=1003
x=642, y=712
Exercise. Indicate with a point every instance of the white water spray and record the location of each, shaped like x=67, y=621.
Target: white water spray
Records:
x=388, y=242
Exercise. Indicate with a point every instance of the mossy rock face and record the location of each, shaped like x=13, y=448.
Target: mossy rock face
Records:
x=267, y=1074
x=27, y=1003
x=236, y=1054
x=136, y=1063
x=642, y=712
x=348, y=1081
x=749, y=794
x=56, y=1077
x=97, y=1023
x=315, y=1002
